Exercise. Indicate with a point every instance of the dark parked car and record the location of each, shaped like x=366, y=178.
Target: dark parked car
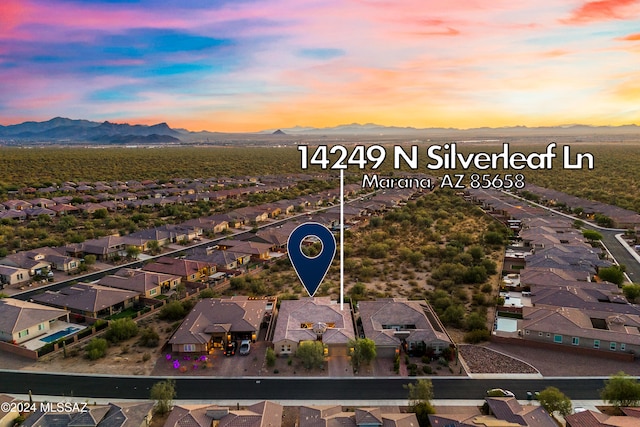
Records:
x=230, y=349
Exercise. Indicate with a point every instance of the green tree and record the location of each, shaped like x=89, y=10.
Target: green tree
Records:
x=552, y=399
x=154, y=247
x=96, y=348
x=613, y=274
x=603, y=220
x=207, y=293
x=420, y=396
x=631, y=292
x=453, y=315
x=364, y=351
x=89, y=259
x=493, y=238
x=270, y=357
x=475, y=321
x=149, y=337
x=591, y=235
x=133, y=252
x=100, y=214
x=163, y=393
x=121, y=329
x=420, y=391
x=311, y=353
x=621, y=390
x=172, y=311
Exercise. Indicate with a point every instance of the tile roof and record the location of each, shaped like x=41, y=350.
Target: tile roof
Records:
x=333, y=416
x=295, y=316
x=508, y=409
x=178, y=267
x=136, y=280
x=595, y=419
x=111, y=415
x=622, y=328
x=85, y=297
x=216, y=315
x=381, y=318
x=261, y=414
x=17, y=315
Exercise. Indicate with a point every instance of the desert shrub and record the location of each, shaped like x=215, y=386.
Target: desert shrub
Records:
x=121, y=329
x=96, y=348
x=149, y=337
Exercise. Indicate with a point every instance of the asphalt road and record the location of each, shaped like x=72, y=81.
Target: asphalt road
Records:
x=306, y=389
x=620, y=253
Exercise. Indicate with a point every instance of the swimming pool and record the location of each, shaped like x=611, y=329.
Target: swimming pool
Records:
x=63, y=333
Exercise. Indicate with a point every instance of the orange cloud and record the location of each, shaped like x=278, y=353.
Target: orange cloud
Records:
x=631, y=37
x=600, y=11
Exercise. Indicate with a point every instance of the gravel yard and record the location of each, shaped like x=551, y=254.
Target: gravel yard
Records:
x=482, y=360
x=559, y=363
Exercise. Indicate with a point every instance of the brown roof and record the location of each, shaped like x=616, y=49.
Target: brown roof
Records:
x=622, y=328
x=333, y=416
x=508, y=409
x=136, y=280
x=596, y=419
x=295, y=316
x=85, y=297
x=261, y=414
x=240, y=315
x=381, y=319
x=177, y=267
x=17, y=315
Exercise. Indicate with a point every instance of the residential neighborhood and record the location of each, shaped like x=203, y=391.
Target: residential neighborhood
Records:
x=551, y=294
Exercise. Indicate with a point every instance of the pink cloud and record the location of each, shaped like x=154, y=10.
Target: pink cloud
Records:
x=602, y=10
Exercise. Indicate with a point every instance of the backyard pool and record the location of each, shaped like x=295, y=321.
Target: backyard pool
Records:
x=63, y=333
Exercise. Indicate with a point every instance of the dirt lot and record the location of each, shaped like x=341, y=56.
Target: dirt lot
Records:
x=555, y=363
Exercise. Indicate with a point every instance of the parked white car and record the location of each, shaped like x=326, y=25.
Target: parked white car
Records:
x=498, y=392
x=245, y=347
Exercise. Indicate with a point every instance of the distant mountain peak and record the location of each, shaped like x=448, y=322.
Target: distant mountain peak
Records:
x=278, y=132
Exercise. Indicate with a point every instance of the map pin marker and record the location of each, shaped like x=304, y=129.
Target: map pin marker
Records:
x=311, y=271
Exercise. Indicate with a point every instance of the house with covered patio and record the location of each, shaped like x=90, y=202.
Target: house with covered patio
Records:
x=21, y=321
x=87, y=299
x=313, y=319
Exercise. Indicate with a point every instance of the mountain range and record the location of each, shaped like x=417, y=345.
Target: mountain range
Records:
x=64, y=130
x=61, y=129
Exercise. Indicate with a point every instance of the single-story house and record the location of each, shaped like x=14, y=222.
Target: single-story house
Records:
x=89, y=299
x=333, y=415
x=188, y=270
x=13, y=275
x=37, y=261
x=563, y=326
x=21, y=320
x=313, y=319
x=213, y=322
x=130, y=414
x=106, y=248
x=394, y=322
x=503, y=411
x=208, y=224
x=591, y=418
x=261, y=414
x=258, y=251
x=222, y=260
x=147, y=283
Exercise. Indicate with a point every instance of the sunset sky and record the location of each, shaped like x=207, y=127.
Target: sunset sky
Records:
x=241, y=65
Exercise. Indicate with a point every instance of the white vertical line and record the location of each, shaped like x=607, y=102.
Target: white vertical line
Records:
x=341, y=239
